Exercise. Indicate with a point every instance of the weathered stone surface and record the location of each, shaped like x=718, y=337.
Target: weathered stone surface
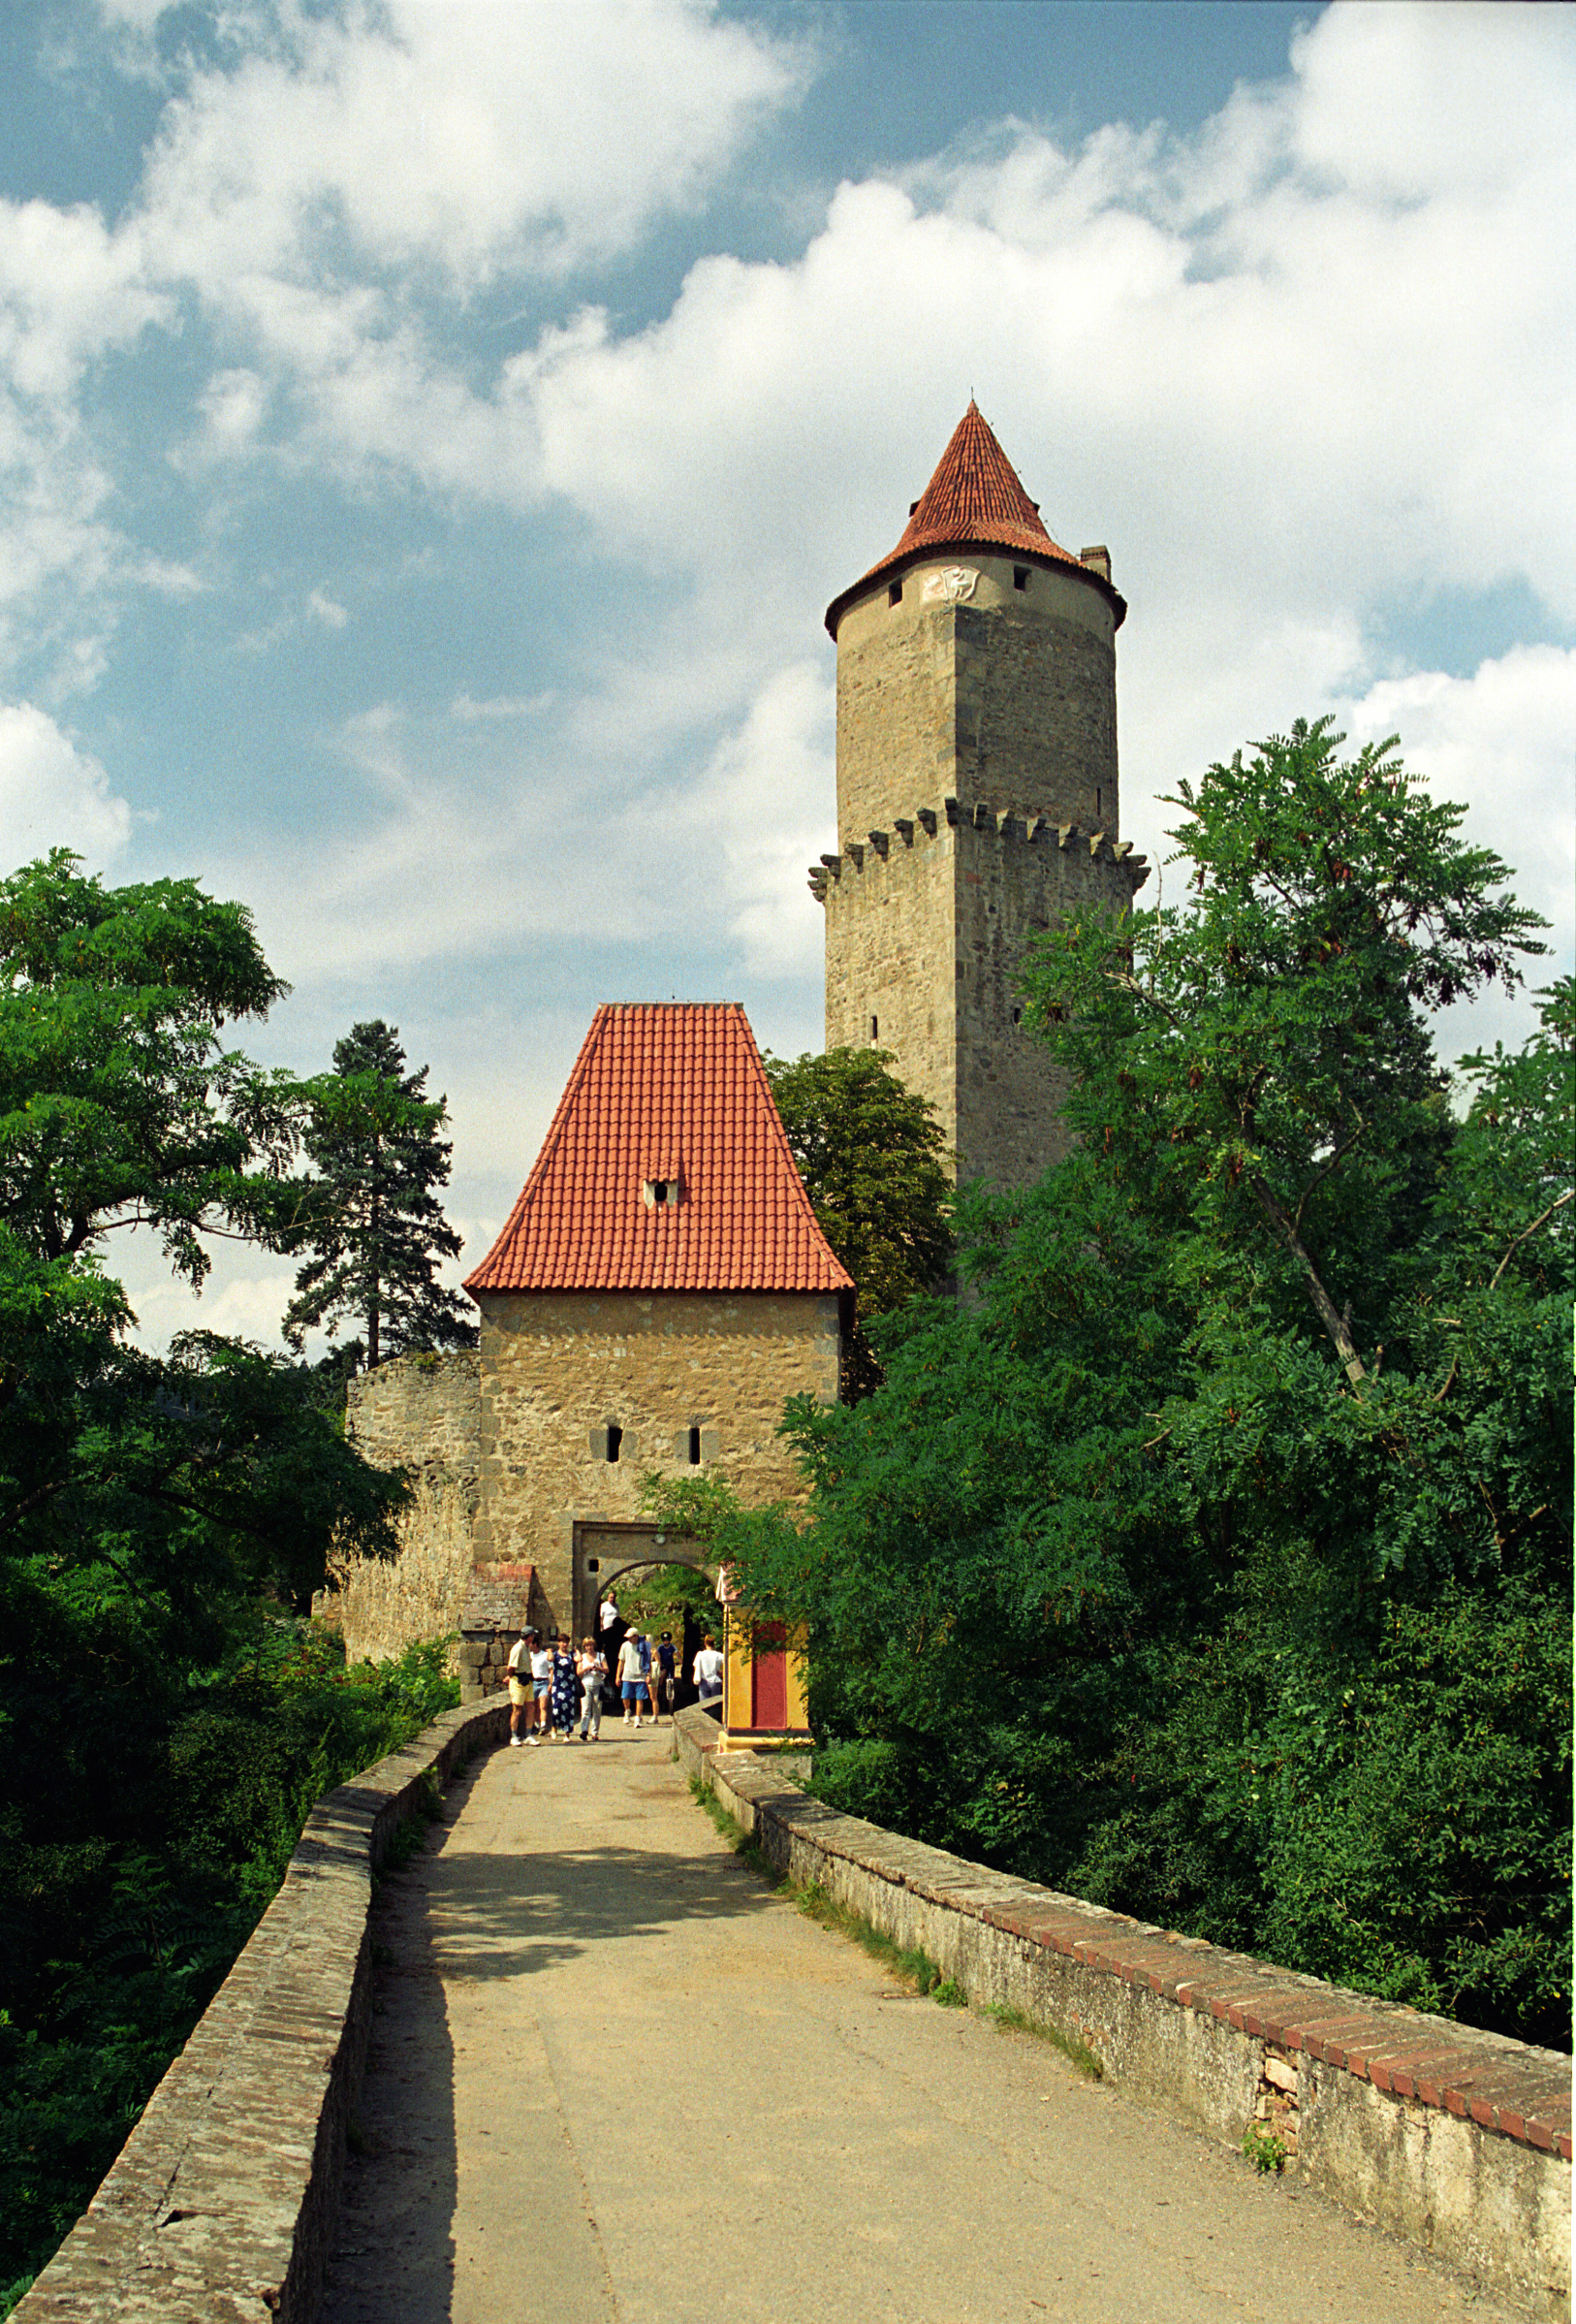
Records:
x=560, y=1369
x=1170, y=2019
x=976, y=808
x=422, y=1411
x=223, y=2202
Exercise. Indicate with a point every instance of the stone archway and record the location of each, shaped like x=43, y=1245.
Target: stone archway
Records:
x=604, y=1549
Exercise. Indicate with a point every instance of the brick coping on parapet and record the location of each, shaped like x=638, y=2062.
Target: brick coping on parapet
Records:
x=224, y=2200
x=1455, y=2138
x=1030, y=831
x=1505, y=2086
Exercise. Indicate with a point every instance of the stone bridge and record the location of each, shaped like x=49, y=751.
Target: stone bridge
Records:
x=568, y=2055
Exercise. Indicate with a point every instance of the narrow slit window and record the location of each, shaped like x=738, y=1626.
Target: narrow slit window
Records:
x=1019, y=576
x=616, y=1437
x=1097, y=807
x=1017, y=1016
x=875, y=1029
x=895, y=593
x=694, y=1447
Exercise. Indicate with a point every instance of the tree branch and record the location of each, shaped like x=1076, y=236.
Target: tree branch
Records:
x=1334, y=1323
x=1541, y=1221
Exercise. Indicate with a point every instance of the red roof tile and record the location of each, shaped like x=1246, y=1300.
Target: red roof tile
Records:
x=974, y=500
x=663, y=1091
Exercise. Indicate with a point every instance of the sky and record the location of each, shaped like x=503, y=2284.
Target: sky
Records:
x=430, y=433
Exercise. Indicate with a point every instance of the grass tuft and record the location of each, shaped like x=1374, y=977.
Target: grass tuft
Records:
x=911, y=1963
x=1012, y=2020
x=744, y=1844
x=1264, y=2148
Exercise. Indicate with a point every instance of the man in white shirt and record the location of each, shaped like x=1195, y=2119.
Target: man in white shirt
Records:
x=708, y=1670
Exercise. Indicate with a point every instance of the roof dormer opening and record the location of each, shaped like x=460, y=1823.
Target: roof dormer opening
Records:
x=661, y=1193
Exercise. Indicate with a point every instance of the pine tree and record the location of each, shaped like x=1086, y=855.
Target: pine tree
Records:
x=370, y=1217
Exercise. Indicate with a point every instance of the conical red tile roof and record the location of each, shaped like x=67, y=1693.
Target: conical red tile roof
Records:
x=663, y=1091
x=974, y=500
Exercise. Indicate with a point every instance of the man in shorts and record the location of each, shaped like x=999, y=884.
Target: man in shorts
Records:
x=520, y=1693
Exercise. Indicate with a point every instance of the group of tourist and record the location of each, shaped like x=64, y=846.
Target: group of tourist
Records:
x=552, y=1684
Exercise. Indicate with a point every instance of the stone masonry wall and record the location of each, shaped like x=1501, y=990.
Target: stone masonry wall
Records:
x=927, y=929
x=425, y=1412
x=224, y=2201
x=1005, y=694
x=1456, y=2139
x=559, y=1368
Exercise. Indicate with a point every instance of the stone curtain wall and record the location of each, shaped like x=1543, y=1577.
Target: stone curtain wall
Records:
x=559, y=1368
x=1456, y=2139
x=224, y=2201
x=928, y=925
x=425, y=1412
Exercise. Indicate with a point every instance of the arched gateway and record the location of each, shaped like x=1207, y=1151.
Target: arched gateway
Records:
x=660, y=1291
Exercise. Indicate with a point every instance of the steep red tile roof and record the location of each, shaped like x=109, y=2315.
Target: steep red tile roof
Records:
x=974, y=500
x=663, y=1091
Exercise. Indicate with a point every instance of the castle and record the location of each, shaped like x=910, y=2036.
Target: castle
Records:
x=662, y=1286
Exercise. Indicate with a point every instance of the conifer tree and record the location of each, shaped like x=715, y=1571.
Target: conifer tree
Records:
x=370, y=1217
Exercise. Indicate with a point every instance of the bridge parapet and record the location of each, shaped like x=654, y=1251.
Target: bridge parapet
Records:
x=224, y=2201
x=1456, y=2139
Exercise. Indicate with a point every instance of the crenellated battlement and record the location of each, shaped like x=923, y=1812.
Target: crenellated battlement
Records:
x=929, y=824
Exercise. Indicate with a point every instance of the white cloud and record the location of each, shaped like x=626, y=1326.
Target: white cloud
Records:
x=471, y=139
x=327, y=610
x=1503, y=744
x=767, y=801
x=53, y=795
x=500, y=706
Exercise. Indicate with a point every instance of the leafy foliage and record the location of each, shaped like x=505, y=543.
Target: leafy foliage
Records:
x=368, y=1214
x=870, y=1155
x=134, y=1870
x=1213, y=1559
x=165, y=1717
x=117, y=1106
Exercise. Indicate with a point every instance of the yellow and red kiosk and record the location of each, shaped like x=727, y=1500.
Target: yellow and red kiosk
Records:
x=763, y=1678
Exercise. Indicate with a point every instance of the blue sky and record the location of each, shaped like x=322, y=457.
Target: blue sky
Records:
x=430, y=433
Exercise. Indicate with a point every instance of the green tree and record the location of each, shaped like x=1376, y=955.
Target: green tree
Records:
x=163, y=1522
x=1214, y=1560
x=369, y=1215
x=870, y=1155
x=118, y=1107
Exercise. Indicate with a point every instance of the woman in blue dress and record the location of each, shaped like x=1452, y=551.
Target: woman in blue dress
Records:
x=565, y=1689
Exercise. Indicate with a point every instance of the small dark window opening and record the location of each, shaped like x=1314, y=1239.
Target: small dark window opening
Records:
x=895, y=593
x=1016, y=1016
x=1019, y=576
x=694, y=1447
x=659, y=1190
x=593, y=1565
x=875, y=1027
x=1097, y=803
x=615, y=1436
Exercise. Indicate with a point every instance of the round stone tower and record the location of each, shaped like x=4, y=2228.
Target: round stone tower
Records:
x=976, y=798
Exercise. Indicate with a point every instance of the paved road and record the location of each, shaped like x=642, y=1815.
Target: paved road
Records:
x=616, y=2081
